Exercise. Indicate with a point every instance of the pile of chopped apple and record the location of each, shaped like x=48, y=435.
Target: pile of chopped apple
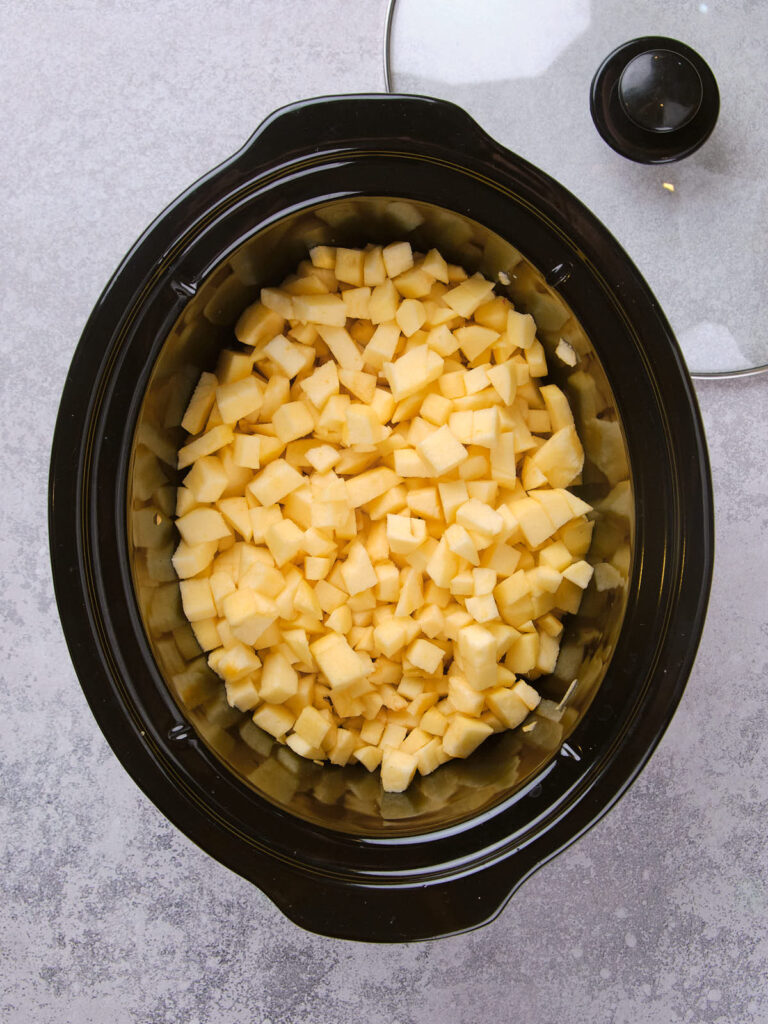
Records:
x=377, y=539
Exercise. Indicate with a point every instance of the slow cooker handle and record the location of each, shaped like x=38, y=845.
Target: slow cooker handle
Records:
x=409, y=912
x=360, y=122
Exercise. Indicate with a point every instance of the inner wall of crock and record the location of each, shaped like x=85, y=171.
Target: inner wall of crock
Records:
x=349, y=798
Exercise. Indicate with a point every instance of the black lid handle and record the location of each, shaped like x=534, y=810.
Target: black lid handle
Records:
x=654, y=100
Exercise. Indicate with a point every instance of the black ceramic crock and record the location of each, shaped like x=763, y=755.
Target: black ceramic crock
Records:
x=324, y=844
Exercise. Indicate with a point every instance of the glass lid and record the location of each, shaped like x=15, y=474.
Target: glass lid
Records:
x=617, y=101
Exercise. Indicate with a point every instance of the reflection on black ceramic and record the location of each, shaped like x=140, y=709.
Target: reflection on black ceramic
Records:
x=446, y=855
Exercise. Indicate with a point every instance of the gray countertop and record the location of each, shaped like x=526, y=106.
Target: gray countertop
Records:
x=658, y=916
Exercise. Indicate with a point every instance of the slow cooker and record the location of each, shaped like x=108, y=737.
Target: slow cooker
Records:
x=336, y=854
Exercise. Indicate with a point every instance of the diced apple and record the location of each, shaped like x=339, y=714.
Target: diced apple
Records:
x=337, y=661
x=257, y=324
x=413, y=371
x=477, y=651
x=442, y=451
x=202, y=525
x=276, y=719
x=398, y=258
x=239, y=399
x=561, y=458
x=521, y=329
x=325, y=310
x=474, y=339
x=464, y=735
x=291, y=358
x=209, y=443
x=343, y=348
x=397, y=770
x=279, y=680
x=467, y=296
x=274, y=482
x=200, y=404
x=404, y=534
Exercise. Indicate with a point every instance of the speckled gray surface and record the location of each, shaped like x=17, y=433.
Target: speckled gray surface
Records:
x=108, y=914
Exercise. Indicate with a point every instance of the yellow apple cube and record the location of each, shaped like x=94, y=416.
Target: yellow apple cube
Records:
x=411, y=595
x=321, y=384
x=405, y=534
x=521, y=329
x=474, y=339
x=239, y=399
x=464, y=698
x=292, y=421
x=340, y=665
x=423, y=501
x=435, y=265
x=442, y=451
x=322, y=457
x=325, y=310
x=235, y=662
x=362, y=426
x=443, y=564
x=413, y=371
x=485, y=427
x=561, y=458
x=477, y=653
x=453, y=494
x=249, y=614
x=387, y=582
x=276, y=719
x=261, y=520
x=246, y=451
x=522, y=655
x=425, y=656
x=467, y=296
x=197, y=600
x=503, y=379
x=323, y=256
x=190, y=559
x=210, y=442
x=200, y=404
x=397, y=770
x=284, y=540
x=382, y=346
x=275, y=482
x=398, y=257
x=464, y=735
x=461, y=544
x=374, y=269
x=507, y=705
x=201, y=525
x=357, y=570
x=533, y=520
x=291, y=358
x=342, y=346
x=482, y=608
x=257, y=324
x=279, y=680
x=369, y=756
x=478, y=517
x=390, y=636
x=349, y=266
x=206, y=479
x=409, y=464
x=580, y=573
x=383, y=304
x=243, y=694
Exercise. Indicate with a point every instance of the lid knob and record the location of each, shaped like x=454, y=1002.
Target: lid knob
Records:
x=660, y=90
x=654, y=100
